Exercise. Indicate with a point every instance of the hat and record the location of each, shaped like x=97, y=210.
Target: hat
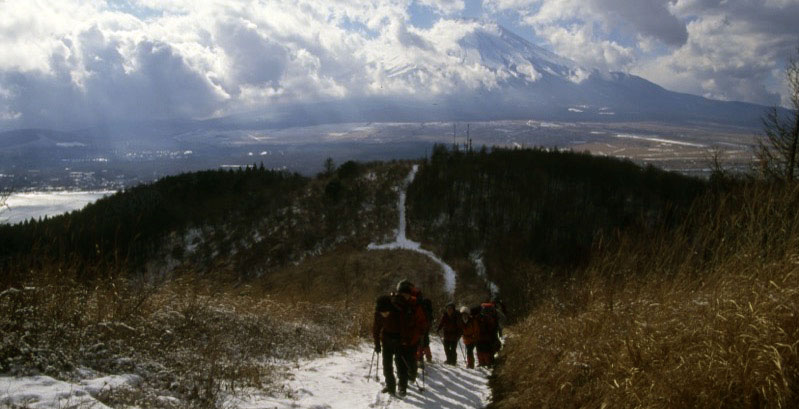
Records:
x=405, y=286
x=464, y=310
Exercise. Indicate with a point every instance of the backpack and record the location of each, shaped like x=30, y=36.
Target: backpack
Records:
x=490, y=310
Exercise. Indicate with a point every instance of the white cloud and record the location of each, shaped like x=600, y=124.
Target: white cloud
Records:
x=726, y=49
x=444, y=7
x=74, y=61
x=190, y=59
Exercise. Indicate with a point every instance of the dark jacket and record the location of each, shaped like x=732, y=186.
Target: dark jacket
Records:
x=449, y=323
x=389, y=327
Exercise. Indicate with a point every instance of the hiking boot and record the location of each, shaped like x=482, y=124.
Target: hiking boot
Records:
x=402, y=393
x=388, y=390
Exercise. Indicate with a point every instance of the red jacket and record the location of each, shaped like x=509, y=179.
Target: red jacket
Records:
x=471, y=331
x=488, y=329
x=413, y=324
x=452, y=330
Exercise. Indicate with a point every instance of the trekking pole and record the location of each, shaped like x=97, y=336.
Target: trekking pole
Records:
x=377, y=371
x=423, y=379
x=415, y=382
x=371, y=363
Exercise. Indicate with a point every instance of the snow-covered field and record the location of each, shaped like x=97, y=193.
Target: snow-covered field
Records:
x=341, y=381
x=44, y=392
x=24, y=206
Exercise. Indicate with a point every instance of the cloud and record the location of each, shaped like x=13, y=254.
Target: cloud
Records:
x=726, y=49
x=184, y=59
x=598, y=33
x=73, y=61
x=736, y=50
x=444, y=7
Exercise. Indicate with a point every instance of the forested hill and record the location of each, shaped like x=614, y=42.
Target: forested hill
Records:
x=249, y=220
x=536, y=211
x=513, y=207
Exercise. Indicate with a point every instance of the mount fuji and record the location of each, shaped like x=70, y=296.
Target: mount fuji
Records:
x=489, y=73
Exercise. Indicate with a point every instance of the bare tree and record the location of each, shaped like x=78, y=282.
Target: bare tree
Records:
x=778, y=146
x=4, y=194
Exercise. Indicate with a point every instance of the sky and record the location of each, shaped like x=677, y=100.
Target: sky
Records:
x=70, y=62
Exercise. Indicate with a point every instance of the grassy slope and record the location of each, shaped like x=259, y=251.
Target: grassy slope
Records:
x=702, y=317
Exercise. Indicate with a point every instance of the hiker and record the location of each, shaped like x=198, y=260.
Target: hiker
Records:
x=452, y=333
x=386, y=330
x=488, y=342
x=471, y=332
x=400, y=324
x=501, y=313
x=424, y=344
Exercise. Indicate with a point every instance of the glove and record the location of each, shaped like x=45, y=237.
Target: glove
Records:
x=377, y=348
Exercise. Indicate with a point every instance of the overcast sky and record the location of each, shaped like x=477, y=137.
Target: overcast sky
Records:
x=68, y=61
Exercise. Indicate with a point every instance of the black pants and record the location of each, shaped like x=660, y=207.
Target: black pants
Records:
x=409, y=352
x=451, y=351
x=403, y=357
x=470, y=355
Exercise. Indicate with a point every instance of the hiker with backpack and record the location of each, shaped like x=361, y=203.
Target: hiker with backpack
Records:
x=449, y=322
x=416, y=323
x=488, y=342
x=471, y=332
x=387, y=334
x=399, y=325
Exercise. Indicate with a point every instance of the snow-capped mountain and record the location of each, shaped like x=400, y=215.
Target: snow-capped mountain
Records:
x=484, y=71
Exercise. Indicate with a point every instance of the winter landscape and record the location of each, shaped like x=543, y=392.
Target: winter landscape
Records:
x=399, y=204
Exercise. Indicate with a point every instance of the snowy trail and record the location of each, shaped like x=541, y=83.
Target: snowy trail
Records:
x=402, y=241
x=340, y=381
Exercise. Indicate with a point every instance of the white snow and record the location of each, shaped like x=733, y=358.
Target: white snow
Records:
x=402, y=241
x=24, y=206
x=36, y=392
x=341, y=381
x=659, y=140
x=477, y=259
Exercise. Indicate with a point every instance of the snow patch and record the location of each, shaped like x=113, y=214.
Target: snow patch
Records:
x=45, y=392
x=480, y=268
x=659, y=140
x=32, y=205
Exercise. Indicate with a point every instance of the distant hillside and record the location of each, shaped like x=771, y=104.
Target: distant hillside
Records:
x=250, y=220
x=529, y=212
x=41, y=138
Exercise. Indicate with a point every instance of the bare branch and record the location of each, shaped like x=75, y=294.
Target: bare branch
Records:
x=777, y=147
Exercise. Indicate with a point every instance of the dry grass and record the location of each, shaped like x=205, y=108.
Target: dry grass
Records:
x=193, y=339
x=705, y=318
x=200, y=339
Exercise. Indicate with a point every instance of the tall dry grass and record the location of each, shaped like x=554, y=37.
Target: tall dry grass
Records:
x=704, y=317
x=199, y=340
